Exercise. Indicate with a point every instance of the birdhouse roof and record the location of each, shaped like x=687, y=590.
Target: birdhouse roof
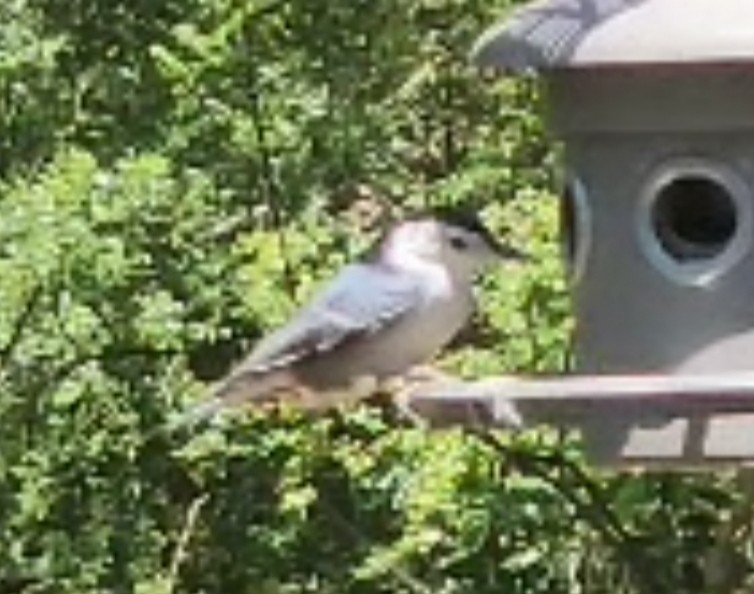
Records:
x=591, y=33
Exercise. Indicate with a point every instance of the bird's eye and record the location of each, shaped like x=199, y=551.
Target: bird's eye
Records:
x=458, y=243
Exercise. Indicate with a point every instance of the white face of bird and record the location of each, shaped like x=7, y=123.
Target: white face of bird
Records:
x=464, y=249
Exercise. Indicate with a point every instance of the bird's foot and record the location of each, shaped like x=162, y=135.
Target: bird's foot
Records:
x=475, y=411
x=403, y=387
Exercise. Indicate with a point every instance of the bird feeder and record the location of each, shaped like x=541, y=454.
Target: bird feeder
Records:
x=654, y=103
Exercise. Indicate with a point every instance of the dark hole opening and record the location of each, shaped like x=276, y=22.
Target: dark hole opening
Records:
x=694, y=218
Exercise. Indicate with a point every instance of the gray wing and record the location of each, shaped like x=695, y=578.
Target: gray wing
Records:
x=362, y=299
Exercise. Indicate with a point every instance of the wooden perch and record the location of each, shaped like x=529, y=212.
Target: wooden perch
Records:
x=661, y=419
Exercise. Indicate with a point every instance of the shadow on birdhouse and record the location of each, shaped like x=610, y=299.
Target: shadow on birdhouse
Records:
x=654, y=101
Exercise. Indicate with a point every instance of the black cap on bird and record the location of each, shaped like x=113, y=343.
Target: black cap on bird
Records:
x=468, y=219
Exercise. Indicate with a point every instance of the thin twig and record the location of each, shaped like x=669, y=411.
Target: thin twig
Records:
x=181, y=547
x=595, y=508
x=268, y=183
x=361, y=541
x=19, y=326
x=266, y=10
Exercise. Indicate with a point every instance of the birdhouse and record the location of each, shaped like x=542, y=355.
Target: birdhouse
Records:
x=654, y=103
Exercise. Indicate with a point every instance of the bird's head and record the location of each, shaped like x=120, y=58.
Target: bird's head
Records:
x=454, y=238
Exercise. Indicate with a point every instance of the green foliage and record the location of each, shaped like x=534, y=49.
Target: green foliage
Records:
x=174, y=178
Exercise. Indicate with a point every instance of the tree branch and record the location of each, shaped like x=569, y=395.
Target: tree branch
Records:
x=595, y=509
x=19, y=326
x=181, y=547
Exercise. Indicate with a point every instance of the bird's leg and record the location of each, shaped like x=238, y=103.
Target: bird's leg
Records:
x=430, y=381
x=403, y=387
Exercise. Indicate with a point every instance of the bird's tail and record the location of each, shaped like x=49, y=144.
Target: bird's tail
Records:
x=236, y=390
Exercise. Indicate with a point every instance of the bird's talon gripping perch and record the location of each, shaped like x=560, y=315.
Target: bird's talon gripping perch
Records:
x=450, y=401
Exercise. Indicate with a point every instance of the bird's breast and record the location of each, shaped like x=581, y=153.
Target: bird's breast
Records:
x=420, y=334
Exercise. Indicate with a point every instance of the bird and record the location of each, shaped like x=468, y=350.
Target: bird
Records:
x=390, y=311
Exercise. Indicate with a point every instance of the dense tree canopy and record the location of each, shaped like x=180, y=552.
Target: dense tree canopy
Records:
x=175, y=176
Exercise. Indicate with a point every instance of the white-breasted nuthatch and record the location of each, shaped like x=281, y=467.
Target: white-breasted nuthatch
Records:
x=379, y=317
